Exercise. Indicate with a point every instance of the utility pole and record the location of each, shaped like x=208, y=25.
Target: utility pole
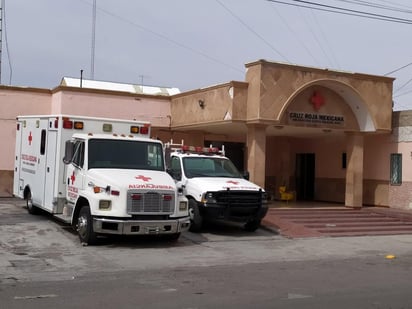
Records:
x=93, y=41
x=142, y=77
x=1, y=35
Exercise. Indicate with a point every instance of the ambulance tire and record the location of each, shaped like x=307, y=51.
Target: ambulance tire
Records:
x=85, y=227
x=33, y=210
x=252, y=225
x=196, y=220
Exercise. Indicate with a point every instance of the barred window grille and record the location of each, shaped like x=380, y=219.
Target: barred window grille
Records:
x=396, y=169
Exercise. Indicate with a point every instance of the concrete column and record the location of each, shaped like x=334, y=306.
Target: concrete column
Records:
x=354, y=171
x=256, y=153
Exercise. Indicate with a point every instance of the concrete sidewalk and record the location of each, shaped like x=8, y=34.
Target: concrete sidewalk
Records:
x=299, y=220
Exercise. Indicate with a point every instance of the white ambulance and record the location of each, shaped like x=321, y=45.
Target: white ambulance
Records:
x=214, y=187
x=102, y=176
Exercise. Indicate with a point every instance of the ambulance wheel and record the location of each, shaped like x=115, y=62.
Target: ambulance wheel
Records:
x=33, y=210
x=252, y=225
x=196, y=220
x=85, y=227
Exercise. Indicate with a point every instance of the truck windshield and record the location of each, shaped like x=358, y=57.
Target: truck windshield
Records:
x=107, y=153
x=209, y=167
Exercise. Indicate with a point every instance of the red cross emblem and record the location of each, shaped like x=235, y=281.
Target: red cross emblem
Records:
x=73, y=177
x=233, y=182
x=141, y=177
x=317, y=100
x=30, y=138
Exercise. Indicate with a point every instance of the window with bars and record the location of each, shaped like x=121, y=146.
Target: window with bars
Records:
x=396, y=169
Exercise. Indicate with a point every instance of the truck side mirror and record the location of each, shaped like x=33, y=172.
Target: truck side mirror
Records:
x=246, y=175
x=68, y=152
x=177, y=175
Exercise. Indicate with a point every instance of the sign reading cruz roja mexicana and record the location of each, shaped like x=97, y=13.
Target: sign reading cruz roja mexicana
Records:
x=314, y=118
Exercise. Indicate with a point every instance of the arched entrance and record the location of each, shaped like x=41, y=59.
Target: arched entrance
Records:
x=321, y=127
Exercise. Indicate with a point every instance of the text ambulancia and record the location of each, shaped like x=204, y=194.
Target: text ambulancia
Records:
x=102, y=176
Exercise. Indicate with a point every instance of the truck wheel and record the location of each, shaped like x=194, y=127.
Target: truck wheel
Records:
x=172, y=237
x=85, y=227
x=196, y=219
x=252, y=225
x=33, y=210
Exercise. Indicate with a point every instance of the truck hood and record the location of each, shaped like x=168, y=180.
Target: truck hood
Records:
x=132, y=179
x=219, y=183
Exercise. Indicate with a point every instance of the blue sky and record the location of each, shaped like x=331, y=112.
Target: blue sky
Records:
x=192, y=44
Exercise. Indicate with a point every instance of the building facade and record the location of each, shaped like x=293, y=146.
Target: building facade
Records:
x=327, y=135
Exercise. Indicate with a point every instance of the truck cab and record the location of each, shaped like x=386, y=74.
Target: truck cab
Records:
x=214, y=187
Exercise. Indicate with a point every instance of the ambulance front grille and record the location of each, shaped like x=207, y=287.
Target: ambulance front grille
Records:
x=160, y=202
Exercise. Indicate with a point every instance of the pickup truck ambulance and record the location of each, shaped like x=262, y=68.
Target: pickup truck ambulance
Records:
x=214, y=187
x=102, y=176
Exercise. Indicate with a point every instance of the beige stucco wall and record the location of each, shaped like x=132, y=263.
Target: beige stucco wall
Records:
x=16, y=101
x=13, y=102
x=112, y=104
x=222, y=103
x=273, y=86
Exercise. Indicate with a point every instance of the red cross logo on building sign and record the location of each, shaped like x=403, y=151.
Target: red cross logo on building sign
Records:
x=73, y=178
x=317, y=100
x=30, y=138
x=233, y=182
x=141, y=177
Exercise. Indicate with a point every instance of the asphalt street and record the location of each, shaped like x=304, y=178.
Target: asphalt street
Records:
x=43, y=265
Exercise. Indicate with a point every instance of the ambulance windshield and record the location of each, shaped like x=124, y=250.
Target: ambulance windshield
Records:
x=122, y=154
x=209, y=167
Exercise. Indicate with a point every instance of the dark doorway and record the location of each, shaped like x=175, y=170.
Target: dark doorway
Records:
x=305, y=176
x=234, y=151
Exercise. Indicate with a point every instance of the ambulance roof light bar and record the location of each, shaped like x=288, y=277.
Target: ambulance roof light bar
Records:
x=195, y=149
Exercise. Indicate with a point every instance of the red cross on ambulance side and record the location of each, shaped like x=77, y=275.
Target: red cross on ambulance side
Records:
x=73, y=178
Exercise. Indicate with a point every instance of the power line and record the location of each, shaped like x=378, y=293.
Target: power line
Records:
x=352, y=11
x=315, y=36
x=402, y=94
x=404, y=85
x=343, y=11
x=166, y=38
x=301, y=42
x=93, y=47
x=253, y=31
x=334, y=59
x=398, y=69
x=375, y=5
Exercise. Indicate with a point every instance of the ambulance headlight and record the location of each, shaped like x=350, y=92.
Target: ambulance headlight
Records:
x=209, y=197
x=105, y=205
x=182, y=206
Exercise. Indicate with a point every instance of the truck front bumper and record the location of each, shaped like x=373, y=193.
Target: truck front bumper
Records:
x=233, y=212
x=140, y=227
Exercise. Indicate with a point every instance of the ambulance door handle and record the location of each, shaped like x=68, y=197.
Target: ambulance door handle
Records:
x=48, y=169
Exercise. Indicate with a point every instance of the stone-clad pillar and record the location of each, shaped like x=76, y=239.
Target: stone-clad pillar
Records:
x=354, y=171
x=256, y=153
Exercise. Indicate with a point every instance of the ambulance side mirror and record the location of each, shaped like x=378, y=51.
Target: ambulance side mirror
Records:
x=68, y=152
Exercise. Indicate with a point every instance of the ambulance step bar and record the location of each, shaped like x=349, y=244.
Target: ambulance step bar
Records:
x=64, y=218
x=66, y=215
